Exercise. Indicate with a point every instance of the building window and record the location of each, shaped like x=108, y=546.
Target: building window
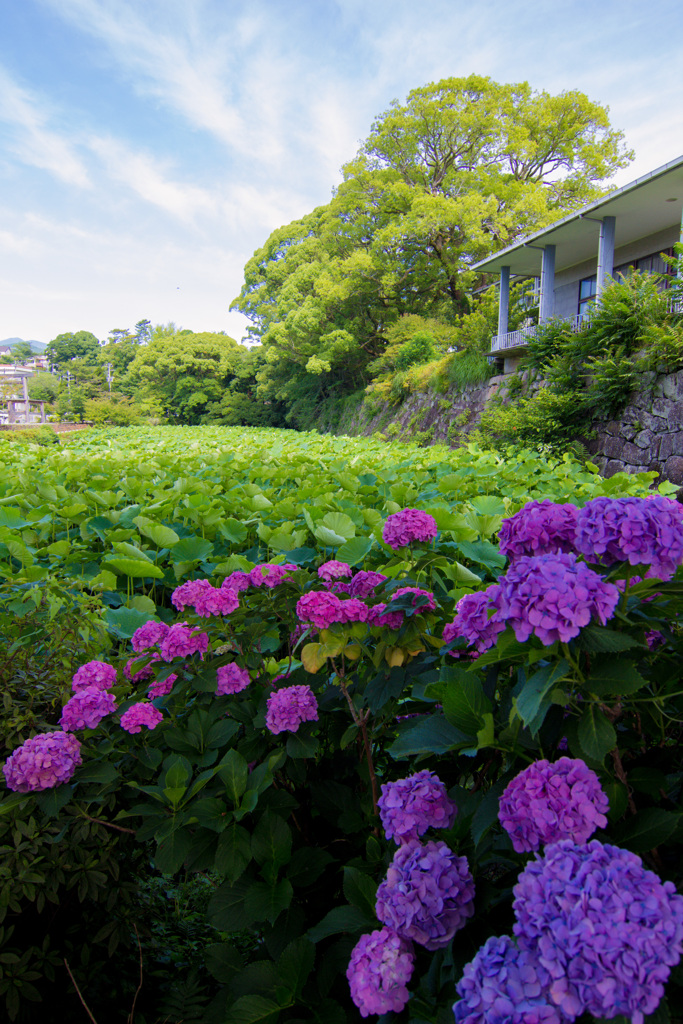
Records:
x=587, y=290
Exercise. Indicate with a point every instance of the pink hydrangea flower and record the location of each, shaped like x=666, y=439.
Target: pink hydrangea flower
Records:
x=231, y=679
x=363, y=583
x=409, y=525
x=334, y=570
x=86, y=709
x=138, y=715
x=137, y=669
x=43, y=762
x=289, y=707
x=380, y=968
x=319, y=607
x=148, y=635
x=353, y=610
x=549, y=802
x=206, y=599
x=181, y=641
x=238, y=580
x=429, y=606
x=379, y=616
x=161, y=687
x=269, y=575
x=94, y=673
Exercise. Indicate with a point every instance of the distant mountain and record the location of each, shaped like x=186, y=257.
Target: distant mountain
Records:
x=36, y=346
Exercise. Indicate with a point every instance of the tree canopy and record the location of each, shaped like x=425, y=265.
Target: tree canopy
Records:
x=65, y=347
x=462, y=168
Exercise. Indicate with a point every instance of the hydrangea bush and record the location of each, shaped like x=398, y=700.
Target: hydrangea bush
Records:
x=397, y=829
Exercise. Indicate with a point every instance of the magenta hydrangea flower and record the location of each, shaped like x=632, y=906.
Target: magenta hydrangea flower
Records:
x=181, y=641
x=269, y=575
x=353, y=610
x=206, y=599
x=408, y=807
x=289, y=707
x=539, y=528
x=379, y=970
x=319, y=607
x=607, y=930
x=238, y=580
x=640, y=531
x=505, y=985
x=86, y=709
x=231, y=679
x=476, y=620
x=149, y=635
x=363, y=583
x=94, y=673
x=334, y=570
x=548, y=802
x=417, y=592
x=428, y=893
x=138, y=669
x=409, y=525
x=553, y=596
x=43, y=762
x=141, y=714
x=379, y=616
x=161, y=687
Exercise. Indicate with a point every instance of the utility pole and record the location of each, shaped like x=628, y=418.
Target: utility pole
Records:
x=109, y=378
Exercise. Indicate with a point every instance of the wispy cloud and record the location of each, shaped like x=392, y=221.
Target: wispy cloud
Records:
x=30, y=137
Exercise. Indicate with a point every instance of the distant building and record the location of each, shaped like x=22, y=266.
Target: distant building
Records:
x=574, y=258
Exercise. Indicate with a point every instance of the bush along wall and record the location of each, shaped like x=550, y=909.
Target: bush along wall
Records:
x=432, y=792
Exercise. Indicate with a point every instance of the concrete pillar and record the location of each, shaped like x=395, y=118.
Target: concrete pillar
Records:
x=546, y=305
x=27, y=406
x=605, y=254
x=504, y=301
x=42, y=413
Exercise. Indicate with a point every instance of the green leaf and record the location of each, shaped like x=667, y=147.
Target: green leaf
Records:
x=233, y=530
x=338, y=920
x=227, y=910
x=617, y=676
x=328, y=537
x=464, y=703
x=360, y=890
x=355, y=550
x=648, y=829
x=265, y=901
x=596, y=734
x=137, y=568
x=163, y=536
x=483, y=553
x=51, y=801
x=222, y=961
x=339, y=523
x=301, y=744
x=385, y=686
x=599, y=640
x=234, y=772
x=233, y=852
x=172, y=851
x=295, y=964
x=434, y=735
x=535, y=691
x=271, y=842
x=123, y=622
x=253, y=1010
x=191, y=549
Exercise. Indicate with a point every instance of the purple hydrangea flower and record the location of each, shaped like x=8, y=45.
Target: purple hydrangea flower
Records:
x=161, y=687
x=607, y=930
x=409, y=807
x=86, y=709
x=408, y=525
x=362, y=584
x=548, y=802
x=640, y=531
x=138, y=669
x=505, y=985
x=539, y=528
x=334, y=570
x=232, y=679
x=319, y=607
x=181, y=641
x=269, y=575
x=553, y=596
x=428, y=893
x=379, y=616
x=43, y=762
x=206, y=599
x=353, y=610
x=238, y=580
x=141, y=714
x=430, y=604
x=289, y=707
x=474, y=621
x=94, y=673
x=149, y=635
x=380, y=968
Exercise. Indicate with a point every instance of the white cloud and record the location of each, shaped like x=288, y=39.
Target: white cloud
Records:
x=31, y=140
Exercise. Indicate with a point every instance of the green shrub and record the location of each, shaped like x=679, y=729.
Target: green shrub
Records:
x=467, y=369
x=420, y=349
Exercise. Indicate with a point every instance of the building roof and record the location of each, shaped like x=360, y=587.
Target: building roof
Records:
x=647, y=205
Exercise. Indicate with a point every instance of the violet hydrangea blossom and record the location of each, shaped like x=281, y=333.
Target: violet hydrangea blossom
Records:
x=607, y=930
x=476, y=619
x=288, y=708
x=42, y=762
x=140, y=714
x=86, y=709
x=379, y=970
x=553, y=596
x=548, y=802
x=408, y=807
x=334, y=570
x=640, y=531
x=161, y=687
x=505, y=984
x=363, y=583
x=94, y=673
x=181, y=641
x=539, y=528
x=231, y=679
x=408, y=525
x=428, y=893
x=269, y=575
x=150, y=634
x=379, y=616
x=206, y=599
x=428, y=606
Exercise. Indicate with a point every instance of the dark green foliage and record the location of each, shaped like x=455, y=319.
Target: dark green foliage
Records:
x=420, y=349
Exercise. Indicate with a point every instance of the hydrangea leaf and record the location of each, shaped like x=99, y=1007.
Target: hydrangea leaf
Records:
x=596, y=733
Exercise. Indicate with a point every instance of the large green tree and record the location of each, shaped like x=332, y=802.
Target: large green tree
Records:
x=466, y=166
x=65, y=347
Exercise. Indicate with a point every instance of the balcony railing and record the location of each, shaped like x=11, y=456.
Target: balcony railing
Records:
x=520, y=338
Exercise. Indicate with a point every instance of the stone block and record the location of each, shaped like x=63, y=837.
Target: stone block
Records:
x=666, y=446
x=678, y=443
x=631, y=454
x=673, y=469
x=614, y=466
x=645, y=439
x=660, y=407
x=628, y=431
x=674, y=416
x=649, y=421
x=670, y=386
x=611, y=447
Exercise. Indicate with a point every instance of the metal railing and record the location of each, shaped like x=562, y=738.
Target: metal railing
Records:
x=520, y=337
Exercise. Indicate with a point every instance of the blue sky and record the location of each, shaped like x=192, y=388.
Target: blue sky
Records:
x=148, y=147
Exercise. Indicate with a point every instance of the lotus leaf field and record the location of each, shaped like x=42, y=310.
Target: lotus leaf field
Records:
x=302, y=728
